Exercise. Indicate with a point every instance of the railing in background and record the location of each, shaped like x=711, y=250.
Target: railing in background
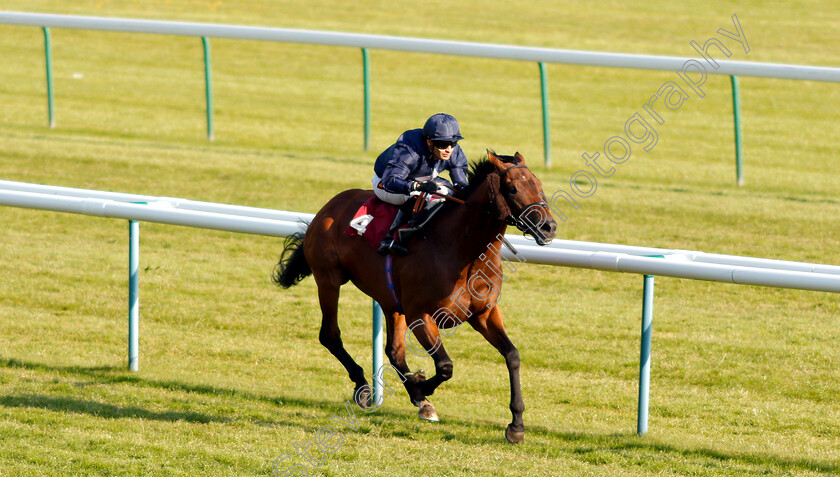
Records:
x=208, y=86
x=366, y=88
x=736, y=112
x=150, y=209
x=546, y=125
x=50, y=93
x=419, y=45
x=607, y=257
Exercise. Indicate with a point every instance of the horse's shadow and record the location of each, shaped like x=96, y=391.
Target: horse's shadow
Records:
x=102, y=410
x=468, y=432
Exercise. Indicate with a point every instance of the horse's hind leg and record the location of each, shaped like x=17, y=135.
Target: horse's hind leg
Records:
x=429, y=339
x=395, y=350
x=491, y=327
x=330, y=337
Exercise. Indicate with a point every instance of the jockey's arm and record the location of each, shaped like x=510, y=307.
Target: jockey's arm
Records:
x=394, y=178
x=458, y=169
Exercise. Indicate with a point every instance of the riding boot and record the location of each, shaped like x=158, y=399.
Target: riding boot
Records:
x=390, y=243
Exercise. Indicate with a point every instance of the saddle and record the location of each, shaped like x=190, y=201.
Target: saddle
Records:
x=374, y=217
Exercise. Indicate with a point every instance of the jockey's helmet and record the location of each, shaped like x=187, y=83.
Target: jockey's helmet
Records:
x=442, y=127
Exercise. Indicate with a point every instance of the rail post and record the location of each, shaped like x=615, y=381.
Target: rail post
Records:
x=644, y=360
x=208, y=87
x=377, y=352
x=736, y=112
x=366, y=86
x=546, y=127
x=50, y=95
x=133, y=294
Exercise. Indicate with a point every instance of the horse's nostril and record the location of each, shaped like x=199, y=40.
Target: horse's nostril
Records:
x=548, y=230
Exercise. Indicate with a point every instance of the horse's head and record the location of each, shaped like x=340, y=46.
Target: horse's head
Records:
x=518, y=197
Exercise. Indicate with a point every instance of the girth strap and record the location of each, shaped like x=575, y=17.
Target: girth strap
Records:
x=389, y=280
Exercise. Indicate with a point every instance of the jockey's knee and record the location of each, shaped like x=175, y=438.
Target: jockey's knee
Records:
x=408, y=206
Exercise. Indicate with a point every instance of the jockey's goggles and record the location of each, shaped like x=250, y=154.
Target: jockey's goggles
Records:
x=444, y=144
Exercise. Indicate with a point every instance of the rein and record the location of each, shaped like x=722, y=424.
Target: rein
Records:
x=505, y=241
x=510, y=219
x=459, y=201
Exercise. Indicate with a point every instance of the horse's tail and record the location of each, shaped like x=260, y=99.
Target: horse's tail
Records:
x=292, y=266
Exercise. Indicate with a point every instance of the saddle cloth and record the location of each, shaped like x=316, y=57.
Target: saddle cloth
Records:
x=372, y=221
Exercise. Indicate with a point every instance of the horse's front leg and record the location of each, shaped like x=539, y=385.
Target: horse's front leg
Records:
x=490, y=326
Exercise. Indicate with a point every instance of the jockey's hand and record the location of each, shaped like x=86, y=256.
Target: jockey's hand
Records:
x=425, y=186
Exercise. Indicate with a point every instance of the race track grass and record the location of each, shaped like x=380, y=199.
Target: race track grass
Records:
x=744, y=379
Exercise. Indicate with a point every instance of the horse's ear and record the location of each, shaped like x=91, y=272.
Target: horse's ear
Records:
x=491, y=156
x=520, y=157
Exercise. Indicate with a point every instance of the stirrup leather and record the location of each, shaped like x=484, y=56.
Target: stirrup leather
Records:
x=419, y=221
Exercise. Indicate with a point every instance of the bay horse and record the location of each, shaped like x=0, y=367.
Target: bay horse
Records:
x=452, y=275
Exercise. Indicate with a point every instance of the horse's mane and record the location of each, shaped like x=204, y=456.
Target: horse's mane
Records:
x=480, y=170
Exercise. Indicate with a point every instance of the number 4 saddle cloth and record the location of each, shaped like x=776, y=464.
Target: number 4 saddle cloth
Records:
x=372, y=221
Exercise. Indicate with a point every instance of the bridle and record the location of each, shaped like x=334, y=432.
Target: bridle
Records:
x=511, y=219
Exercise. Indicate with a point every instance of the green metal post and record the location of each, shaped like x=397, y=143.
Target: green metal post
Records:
x=50, y=98
x=366, y=68
x=208, y=87
x=133, y=295
x=377, y=352
x=546, y=132
x=736, y=111
x=644, y=360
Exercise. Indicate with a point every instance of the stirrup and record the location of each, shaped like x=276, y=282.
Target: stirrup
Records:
x=392, y=247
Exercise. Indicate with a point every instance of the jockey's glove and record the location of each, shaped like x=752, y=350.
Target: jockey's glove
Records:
x=425, y=186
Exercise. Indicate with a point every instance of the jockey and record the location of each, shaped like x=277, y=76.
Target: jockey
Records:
x=412, y=164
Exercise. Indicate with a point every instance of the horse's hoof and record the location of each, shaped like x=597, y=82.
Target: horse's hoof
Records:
x=363, y=397
x=427, y=411
x=514, y=437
